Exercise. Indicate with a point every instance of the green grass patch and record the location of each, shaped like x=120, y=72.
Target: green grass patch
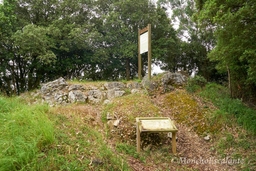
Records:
x=128, y=149
x=186, y=110
x=131, y=106
x=219, y=96
x=25, y=133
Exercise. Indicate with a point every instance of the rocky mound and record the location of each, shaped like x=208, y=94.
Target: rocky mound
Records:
x=59, y=92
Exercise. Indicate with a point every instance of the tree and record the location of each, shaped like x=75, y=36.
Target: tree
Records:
x=195, y=41
x=33, y=47
x=9, y=24
x=119, y=27
x=43, y=40
x=235, y=27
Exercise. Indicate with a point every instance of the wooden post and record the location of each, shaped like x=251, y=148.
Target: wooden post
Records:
x=149, y=51
x=174, y=142
x=138, y=135
x=139, y=56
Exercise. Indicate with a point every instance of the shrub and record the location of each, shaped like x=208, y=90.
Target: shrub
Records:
x=195, y=84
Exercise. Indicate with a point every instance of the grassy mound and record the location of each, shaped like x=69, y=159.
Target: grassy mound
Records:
x=191, y=111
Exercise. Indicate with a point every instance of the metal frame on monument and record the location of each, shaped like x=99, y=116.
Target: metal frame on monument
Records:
x=144, y=45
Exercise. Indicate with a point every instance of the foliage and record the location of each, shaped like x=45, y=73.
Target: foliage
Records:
x=195, y=84
x=195, y=42
x=42, y=41
x=234, y=23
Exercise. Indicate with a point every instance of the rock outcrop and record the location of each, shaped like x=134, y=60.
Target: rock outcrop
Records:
x=167, y=82
x=59, y=92
x=170, y=81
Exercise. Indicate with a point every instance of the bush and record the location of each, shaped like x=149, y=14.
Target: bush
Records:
x=195, y=84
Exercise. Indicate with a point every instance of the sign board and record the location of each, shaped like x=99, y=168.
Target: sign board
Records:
x=155, y=124
x=158, y=124
x=144, y=42
x=144, y=45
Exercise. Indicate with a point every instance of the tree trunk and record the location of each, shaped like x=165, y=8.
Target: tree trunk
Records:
x=229, y=82
x=128, y=69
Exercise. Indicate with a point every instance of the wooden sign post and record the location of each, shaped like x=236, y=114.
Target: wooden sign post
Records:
x=144, y=45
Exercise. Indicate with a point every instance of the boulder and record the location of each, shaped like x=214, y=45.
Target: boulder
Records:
x=76, y=96
x=173, y=79
x=114, y=85
x=95, y=96
x=60, y=97
x=58, y=84
x=149, y=84
x=76, y=87
x=55, y=92
x=113, y=93
x=133, y=91
x=170, y=81
x=134, y=85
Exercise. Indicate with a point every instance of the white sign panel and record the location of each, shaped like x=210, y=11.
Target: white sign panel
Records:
x=144, y=42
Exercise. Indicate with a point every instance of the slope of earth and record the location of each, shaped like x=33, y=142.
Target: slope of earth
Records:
x=188, y=112
x=193, y=152
x=103, y=137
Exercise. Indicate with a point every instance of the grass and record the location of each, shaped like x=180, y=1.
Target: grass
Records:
x=131, y=106
x=236, y=138
x=80, y=143
x=126, y=109
x=79, y=136
x=34, y=137
x=190, y=111
x=25, y=133
x=219, y=96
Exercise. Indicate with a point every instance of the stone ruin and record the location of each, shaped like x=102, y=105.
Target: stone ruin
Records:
x=59, y=92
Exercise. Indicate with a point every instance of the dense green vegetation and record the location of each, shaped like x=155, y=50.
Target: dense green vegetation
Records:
x=26, y=132
x=43, y=40
x=234, y=24
x=227, y=107
x=97, y=39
